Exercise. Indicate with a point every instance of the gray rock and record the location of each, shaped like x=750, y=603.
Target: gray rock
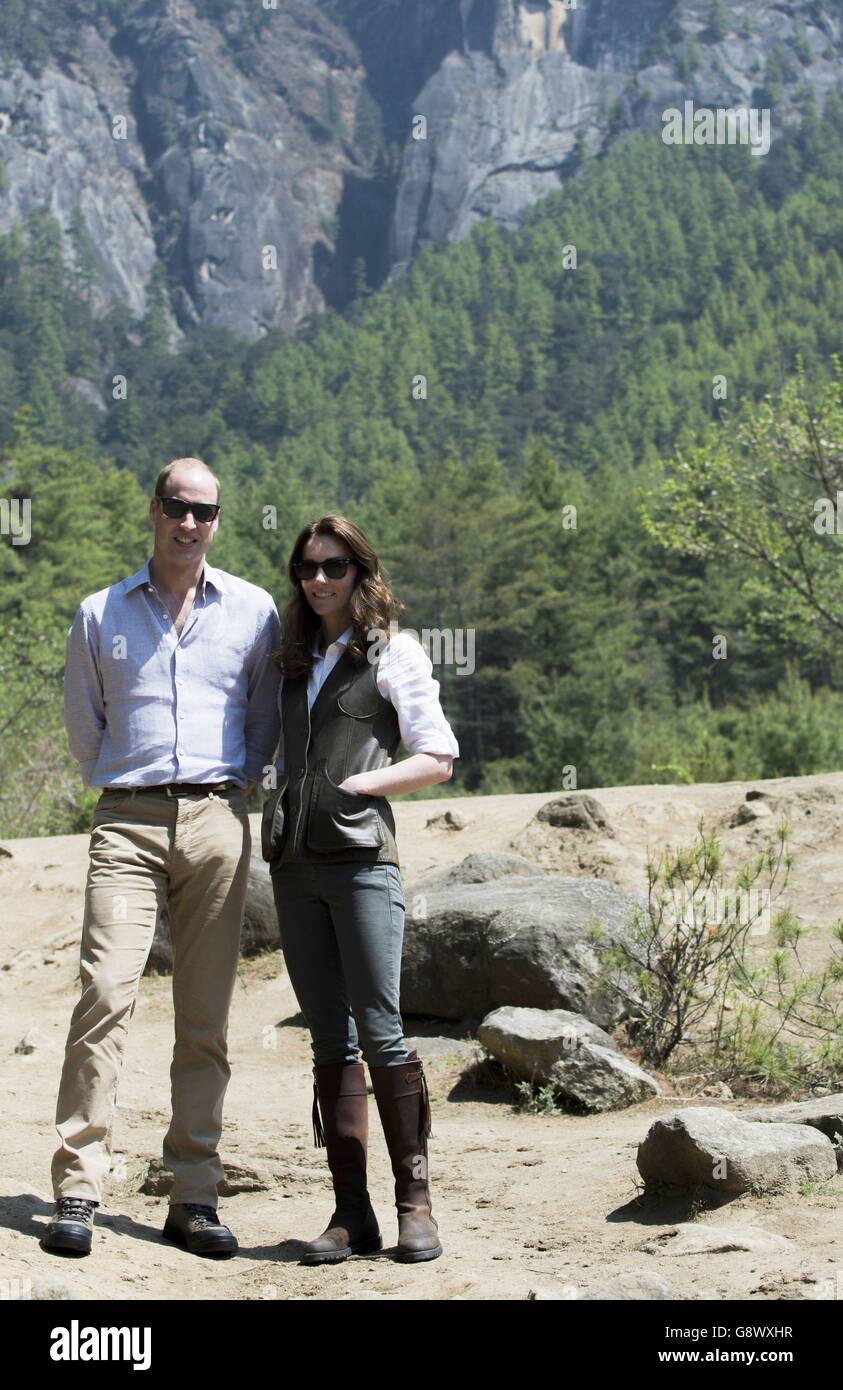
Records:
x=260, y=919
x=51, y=1290
x=530, y=942
x=713, y=1148
x=32, y=1041
x=260, y=922
x=245, y=1177
x=824, y=1113
x=239, y=1177
x=449, y=820
x=552, y=1293
x=480, y=867
x=750, y=811
x=531, y=1041
x=158, y=1181
x=700, y=1238
x=438, y=1046
x=718, y=1090
x=577, y=811
x=567, y=1051
x=637, y=1285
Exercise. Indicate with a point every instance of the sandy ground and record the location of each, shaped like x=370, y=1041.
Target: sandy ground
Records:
x=526, y=1204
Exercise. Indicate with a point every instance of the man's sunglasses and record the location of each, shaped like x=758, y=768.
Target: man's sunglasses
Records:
x=176, y=509
x=334, y=568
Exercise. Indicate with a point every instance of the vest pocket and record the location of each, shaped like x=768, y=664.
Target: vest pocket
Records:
x=341, y=820
x=272, y=823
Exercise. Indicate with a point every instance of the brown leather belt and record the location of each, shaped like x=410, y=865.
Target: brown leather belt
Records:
x=177, y=788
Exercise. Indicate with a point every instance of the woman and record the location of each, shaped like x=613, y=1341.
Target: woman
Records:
x=348, y=697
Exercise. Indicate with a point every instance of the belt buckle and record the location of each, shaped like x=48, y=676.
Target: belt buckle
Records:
x=185, y=788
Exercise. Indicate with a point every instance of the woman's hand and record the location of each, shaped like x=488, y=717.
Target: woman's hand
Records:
x=355, y=784
x=420, y=770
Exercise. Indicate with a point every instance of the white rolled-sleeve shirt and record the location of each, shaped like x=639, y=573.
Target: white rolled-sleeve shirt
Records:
x=145, y=705
x=405, y=678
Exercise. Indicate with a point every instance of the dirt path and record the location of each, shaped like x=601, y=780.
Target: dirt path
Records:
x=525, y=1203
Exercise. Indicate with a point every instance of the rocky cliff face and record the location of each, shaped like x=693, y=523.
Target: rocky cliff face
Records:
x=230, y=165
x=260, y=153
x=512, y=105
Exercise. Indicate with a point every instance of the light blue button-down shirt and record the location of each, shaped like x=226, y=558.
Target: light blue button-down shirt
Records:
x=144, y=705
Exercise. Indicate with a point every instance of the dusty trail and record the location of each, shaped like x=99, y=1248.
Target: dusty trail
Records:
x=525, y=1203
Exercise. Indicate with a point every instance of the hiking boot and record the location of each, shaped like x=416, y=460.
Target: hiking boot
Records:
x=198, y=1229
x=72, y=1227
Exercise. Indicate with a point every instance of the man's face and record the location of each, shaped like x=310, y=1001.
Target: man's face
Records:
x=183, y=542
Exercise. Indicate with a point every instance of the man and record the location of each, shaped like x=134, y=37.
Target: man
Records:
x=171, y=708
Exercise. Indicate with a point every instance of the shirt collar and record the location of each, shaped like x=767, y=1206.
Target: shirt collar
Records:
x=209, y=576
x=340, y=641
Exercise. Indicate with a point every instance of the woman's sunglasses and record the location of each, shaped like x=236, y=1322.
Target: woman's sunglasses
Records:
x=334, y=568
x=174, y=508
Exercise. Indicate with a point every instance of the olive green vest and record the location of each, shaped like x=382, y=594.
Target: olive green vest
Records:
x=351, y=728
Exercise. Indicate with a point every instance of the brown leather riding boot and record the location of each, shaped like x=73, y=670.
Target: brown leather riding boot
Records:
x=404, y=1108
x=339, y=1090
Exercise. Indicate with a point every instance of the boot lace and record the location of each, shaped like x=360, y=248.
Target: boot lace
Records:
x=74, y=1209
x=201, y=1217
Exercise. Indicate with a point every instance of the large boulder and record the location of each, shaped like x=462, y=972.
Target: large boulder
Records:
x=260, y=922
x=713, y=1148
x=824, y=1113
x=480, y=867
x=531, y=942
x=567, y=1051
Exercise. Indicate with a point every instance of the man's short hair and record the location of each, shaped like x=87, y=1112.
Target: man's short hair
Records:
x=163, y=479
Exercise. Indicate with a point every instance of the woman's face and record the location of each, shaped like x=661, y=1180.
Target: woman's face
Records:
x=328, y=596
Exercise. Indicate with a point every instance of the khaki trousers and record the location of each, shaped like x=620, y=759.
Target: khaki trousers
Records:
x=191, y=853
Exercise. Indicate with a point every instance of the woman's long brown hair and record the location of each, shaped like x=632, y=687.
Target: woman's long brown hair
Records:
x=373, y=605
